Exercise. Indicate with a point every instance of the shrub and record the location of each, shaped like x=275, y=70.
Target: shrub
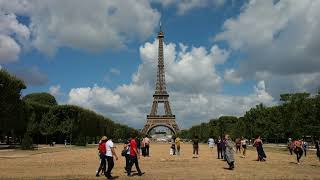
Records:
x=26, y=143
x=81, y=141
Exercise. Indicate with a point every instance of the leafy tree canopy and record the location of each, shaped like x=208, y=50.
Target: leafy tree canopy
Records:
x=41, y=98
x=11, y=106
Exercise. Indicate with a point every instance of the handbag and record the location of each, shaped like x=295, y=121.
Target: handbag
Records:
x=124, y=152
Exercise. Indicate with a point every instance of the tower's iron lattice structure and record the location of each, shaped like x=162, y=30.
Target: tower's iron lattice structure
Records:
x=160, y=96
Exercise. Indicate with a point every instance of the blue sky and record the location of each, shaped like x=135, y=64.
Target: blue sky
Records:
x=222, y=56
x=193, y=29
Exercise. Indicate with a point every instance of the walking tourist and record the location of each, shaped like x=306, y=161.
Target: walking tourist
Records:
x=219, y=147
x=110, y=153
x=195, y=145
x=244, y=146
x=126, y=153
x=178, y=141
x=305, y=147
x=298, y=150
x=258, y=144
x=102, y=156
x=143, y=148
x=318, y=148
x=138, y=140
x=223, y=145
x=290, y=146
x=211, y=143
x=238, y=145
x=134, y=156
x=229, y=152
x=147, y=145
x=173, y=146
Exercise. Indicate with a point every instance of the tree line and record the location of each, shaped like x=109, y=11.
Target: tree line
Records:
x=296, y=116
x=38, y=118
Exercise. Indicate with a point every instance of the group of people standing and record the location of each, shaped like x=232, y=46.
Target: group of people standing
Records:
x=145, y=146
x=240, y=143
x=299, y=147
x=226, y=148
x=107, y=154
x=175, y=146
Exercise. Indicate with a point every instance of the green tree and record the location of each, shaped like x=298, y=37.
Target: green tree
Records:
x=48, y=125
x=11, y=106
x=41, y=98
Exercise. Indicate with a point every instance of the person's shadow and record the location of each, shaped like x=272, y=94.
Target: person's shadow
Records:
x=227, y=169
x=115, y=177
x=131, y=171
x=136, y=174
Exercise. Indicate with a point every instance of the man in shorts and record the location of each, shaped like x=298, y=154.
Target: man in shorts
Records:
x=244, y=146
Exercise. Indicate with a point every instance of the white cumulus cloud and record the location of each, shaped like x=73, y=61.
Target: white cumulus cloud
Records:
x=280, y=40
x=188, y=69
x=193, y=85
x=81, y=24
x=184, y=6
x=55, y=90
x=12, y=36
x=231, y=76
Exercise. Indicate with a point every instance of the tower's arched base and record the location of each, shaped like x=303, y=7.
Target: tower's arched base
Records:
x=154, y=121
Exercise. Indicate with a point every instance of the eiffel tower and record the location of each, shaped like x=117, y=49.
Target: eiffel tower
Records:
x=160, y=96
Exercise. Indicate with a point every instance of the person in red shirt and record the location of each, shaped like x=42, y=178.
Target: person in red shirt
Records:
x=102, y=155
x=134, y=156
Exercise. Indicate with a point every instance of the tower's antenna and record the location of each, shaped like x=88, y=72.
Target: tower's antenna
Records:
x=160, y=26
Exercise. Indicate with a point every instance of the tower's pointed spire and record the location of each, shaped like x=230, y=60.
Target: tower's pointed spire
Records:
x=160, y=33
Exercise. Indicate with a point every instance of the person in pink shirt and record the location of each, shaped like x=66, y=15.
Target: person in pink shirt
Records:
x=298, y=149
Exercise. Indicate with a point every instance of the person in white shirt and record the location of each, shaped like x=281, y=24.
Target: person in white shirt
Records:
x=110, y=152
x=244, y=145
x=146, y=145
x=211, y=143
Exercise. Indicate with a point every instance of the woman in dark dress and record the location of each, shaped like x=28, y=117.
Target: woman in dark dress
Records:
x=258, y=144
x=195, y=147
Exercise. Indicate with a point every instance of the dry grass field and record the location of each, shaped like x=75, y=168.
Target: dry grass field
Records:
x=81, y=163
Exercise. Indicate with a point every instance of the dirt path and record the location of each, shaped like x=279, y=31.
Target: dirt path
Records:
x=81, y=163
